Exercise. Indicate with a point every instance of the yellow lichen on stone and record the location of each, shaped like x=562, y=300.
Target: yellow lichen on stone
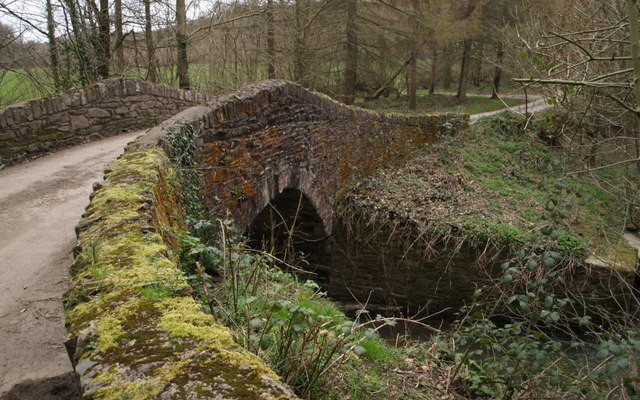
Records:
x=109, y=331
x=110, y=325
x=120, y=193
x=147, y=337
x=619, y=259
x=183, y=317
x=119, y=389
x=134, y=259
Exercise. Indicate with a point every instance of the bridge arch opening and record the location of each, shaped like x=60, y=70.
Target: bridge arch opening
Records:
x=291, y=228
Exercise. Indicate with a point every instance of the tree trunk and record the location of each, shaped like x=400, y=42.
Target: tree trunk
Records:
x=351, y=54
x=434, y=63
x=463, y=82
x=53, y=47
x=104, y=46
x=152, y=74
x=117, y=16
x=412, y=80
x=635, y=55
x=497, y=74
x=271, y=42
x=181, y=43
x=81, y=46
x=299, y=44
x=388, y=83
x=635, y=48
x=477, y=66
x=447, y=78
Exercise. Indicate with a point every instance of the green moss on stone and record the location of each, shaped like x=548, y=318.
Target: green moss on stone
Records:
x=147, y=335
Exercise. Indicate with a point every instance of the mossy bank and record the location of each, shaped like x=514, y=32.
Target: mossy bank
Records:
x=434, y=229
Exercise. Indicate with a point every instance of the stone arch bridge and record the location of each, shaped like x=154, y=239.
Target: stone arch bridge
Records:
x=252, y=144
x=276, y=136
x=255, y=146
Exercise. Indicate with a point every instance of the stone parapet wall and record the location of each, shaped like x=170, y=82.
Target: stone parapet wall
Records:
x=396, y=265
x=275, y=135
x=135, y=331
x=102, y=109
x=249, y=109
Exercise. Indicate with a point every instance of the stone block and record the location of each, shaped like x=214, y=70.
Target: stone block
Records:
x=35, y=125
x=18, y=115
x=98, y=113
x=79, y=122
x=122, y=110
x=66, y=99
x=36, y=109
x=102, y=90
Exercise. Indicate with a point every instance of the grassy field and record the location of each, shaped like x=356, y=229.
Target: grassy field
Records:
x=21, y=85
x=436, y=103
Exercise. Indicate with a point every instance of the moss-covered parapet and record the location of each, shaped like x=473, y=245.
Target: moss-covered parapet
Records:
x=135, y=331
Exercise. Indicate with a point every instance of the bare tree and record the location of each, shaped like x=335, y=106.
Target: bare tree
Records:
x=152, y=73
x=271, y=42
x=592, y=74
x=181, y=45
x=119, y=38
x=53, y=46
x=104, y=40
x=351, y=53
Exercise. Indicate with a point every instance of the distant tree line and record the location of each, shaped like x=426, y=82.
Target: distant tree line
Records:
x=341, y=47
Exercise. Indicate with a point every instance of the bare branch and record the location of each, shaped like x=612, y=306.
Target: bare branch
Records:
x=622, y=85
x=609, y=75
x=625, y=105
x=631, y=160
x=21, y=18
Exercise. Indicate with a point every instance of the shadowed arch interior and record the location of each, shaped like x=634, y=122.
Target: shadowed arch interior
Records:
x=290, y=227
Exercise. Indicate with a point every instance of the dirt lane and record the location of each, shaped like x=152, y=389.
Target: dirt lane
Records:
x=536, y=104
x=40, y=204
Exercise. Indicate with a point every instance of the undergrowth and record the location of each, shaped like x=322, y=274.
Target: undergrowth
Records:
x=524, y=336
x=290, y=323
x=506, y=154
x=493, y=184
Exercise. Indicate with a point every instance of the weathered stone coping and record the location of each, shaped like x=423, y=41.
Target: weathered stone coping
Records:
x=104, y=108
x=248, y=102
x=135, y=331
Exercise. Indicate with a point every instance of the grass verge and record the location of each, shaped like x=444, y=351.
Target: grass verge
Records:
x=437, y=103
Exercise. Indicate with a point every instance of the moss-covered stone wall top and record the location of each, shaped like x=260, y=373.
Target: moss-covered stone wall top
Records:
x=135, y=331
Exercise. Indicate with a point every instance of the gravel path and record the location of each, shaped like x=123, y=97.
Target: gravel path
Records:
x=40, y=203
x=536, y=104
